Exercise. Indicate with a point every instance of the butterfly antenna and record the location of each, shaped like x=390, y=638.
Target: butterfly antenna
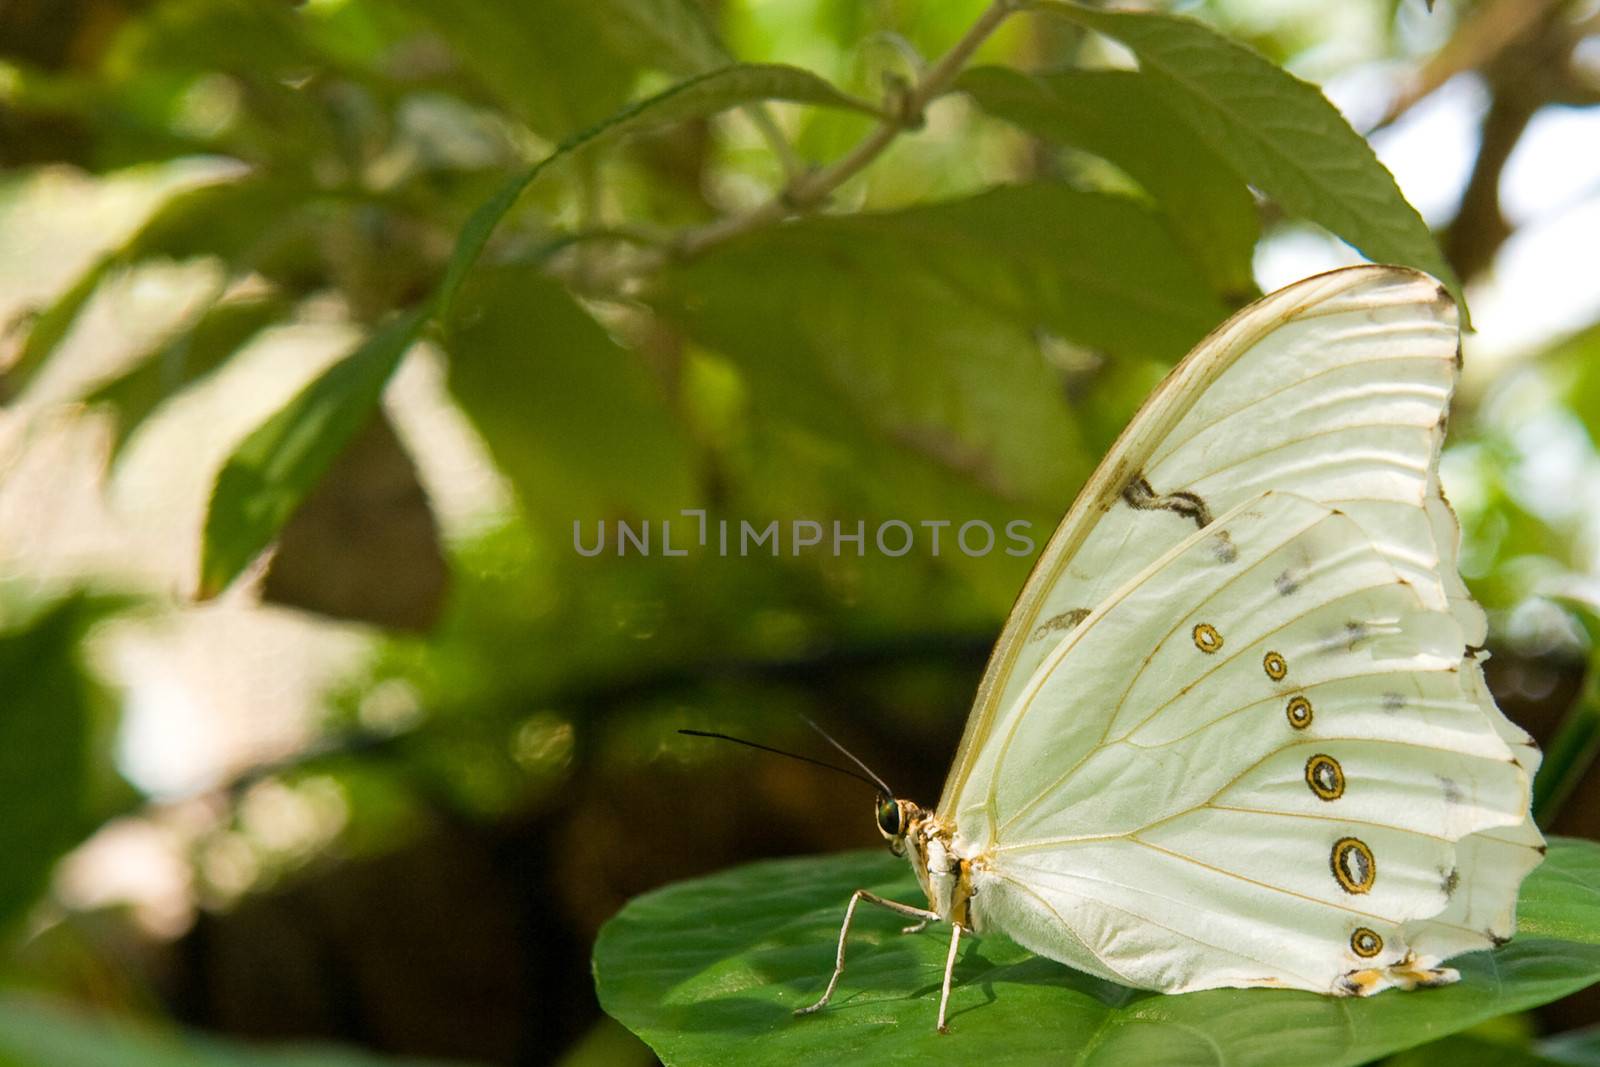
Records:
x=873, y=781
x=851, y=756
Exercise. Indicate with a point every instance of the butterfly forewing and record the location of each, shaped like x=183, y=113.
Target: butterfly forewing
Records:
x=1334, y=389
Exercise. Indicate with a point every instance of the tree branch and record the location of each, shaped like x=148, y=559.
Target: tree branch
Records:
x=1482, y=36
x=810, y=190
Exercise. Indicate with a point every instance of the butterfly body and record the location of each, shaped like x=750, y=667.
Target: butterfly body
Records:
x=1235, y=731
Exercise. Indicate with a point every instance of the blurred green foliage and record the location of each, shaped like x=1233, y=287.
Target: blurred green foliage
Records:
x=762, y=261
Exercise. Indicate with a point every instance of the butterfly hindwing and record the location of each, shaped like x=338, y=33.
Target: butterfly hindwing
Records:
x=1218, y=758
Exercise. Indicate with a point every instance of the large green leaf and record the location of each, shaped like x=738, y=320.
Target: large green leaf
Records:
x=575, y=420
x=710, y=971
x=1280, y=133
x=1120, y=116
x=38, y=1034
x=44, y=733
x=278, y=463
x=926, y=324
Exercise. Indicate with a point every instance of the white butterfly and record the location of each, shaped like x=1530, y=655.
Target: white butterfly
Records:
x=1235, y=731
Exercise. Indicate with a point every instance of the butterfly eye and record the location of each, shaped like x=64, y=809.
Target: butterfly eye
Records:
x=889, y=820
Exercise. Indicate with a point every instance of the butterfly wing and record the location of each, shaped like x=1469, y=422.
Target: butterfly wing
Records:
x=1335, y=388
x=1146, y=802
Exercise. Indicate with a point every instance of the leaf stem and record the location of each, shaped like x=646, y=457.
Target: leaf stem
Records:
x=762, y=117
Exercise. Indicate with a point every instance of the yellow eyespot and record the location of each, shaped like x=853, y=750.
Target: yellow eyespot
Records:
x=1206, y=638
x=1366, y=943
x=1276, y=666
x=1353, y=866
x=1299, y=712
x=1325, y=777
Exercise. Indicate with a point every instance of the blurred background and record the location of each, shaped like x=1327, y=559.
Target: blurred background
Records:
x=383, y=791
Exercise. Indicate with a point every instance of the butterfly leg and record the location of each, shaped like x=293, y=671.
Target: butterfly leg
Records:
x=916, y=927
x=949, y=969
x=844, y=932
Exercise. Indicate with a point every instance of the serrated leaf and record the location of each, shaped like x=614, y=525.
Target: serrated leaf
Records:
x=926, y=324
x=574, y=419
x=1278, y=132
x=1118, y=116
x=709, y=972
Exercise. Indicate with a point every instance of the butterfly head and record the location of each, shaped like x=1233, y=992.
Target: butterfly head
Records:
x=895, y=820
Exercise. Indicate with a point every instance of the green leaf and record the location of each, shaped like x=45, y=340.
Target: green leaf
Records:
x=273, y=469
x=1561, y=899
x=1580, y=1048
x=1470, y=1051
x=1571, y=753
x=574, y=419
x=1575, y=363
x=44, y=732
x=709, y=972
x=671, y=35
x=546, y=59
x=50, y=327
x=223, y=216
x=34, y=1033
x=706, y=94
x=1120, y=116
x=926, y=324
x=224, y=329
x=1279, y=133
